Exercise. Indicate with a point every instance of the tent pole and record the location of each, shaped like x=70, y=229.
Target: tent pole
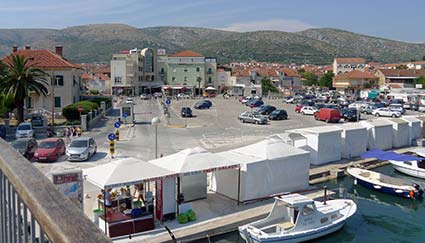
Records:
x=178, y=194
x=239, y=184
x=104, y=209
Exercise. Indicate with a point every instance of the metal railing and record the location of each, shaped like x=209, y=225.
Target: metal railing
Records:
x=33, y=210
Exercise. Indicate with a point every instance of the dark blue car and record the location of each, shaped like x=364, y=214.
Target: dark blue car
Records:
x=255, y=103
x=2, y=131
x=205, y=104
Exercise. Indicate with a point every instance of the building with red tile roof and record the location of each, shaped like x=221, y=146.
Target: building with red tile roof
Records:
x=65, y=75
x=354, y=81
x=186, y=53
x=402, y=77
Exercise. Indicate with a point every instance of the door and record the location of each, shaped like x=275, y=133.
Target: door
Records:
x=194, y=187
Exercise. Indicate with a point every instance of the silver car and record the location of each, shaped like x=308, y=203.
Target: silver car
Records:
x=81, y=149
x=252, y=117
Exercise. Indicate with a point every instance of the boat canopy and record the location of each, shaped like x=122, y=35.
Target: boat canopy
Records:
x=294, y=199
x=388, y=155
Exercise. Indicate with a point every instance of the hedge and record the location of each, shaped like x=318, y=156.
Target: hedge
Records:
x=71, y=113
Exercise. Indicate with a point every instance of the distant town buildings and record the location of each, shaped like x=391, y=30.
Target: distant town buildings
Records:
x=399, y=78
x=64, y=75
x=354, y=81
x=345, y=65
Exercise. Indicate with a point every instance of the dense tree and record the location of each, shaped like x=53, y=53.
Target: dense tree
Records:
x=19, y=78
x=267, y=86
x=310, y=78
x=326, y=80
x=402, y=66
x=420, y=80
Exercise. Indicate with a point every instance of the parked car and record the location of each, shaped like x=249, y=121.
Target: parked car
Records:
x=40, y=122
x=266, y=109
x=24, y=130
x=186, y=112
x=397, y=107
x=245, y=99
x=368, y=109
x=421, y=108
x=25, y=146
x=157, y=94
x=298, y=108
x=81, y=149
x=386, y=112
x=255, y=103
x=308, y=110
x=288, y=99
x=2, y=131
x=319, y=106
x=202, y=105
x=407, y=106
x=414, y=106
x=349, y=114
x=183, y=96
x=144, y=97
x=252, y=117
x=278, y=115
x=129, y=100
x=50, y=150
x=357, y=105
x=328, y=115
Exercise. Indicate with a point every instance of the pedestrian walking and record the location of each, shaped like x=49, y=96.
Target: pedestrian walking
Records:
x=68, y=134
x=79, y=131
x=73, y=132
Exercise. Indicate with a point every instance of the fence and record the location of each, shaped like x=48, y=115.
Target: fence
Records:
x=33, y=210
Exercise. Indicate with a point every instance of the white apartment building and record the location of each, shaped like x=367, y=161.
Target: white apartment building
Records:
x=348, y=64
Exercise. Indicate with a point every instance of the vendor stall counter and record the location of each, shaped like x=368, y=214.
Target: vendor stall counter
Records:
x=120, y=224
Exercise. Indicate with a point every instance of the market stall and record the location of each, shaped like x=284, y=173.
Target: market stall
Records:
x=414, y=127
x=191, y=166
x=400, y=132
x=125, y=216
x=323, y=142
x=380, y=133
x=268, y=167
x=353, y=140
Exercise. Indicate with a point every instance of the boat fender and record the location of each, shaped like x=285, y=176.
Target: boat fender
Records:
x=412, y=193
x=377, y=187
x=355, y=181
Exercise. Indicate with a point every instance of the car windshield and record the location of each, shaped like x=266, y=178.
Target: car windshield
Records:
x=24, y=127
x=275, y=112
x=78, y=144
x=47, y=145
x=19, y=144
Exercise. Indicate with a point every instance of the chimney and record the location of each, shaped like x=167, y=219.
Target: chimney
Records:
x=15, y=48
x=27, y=47
x=59, y=50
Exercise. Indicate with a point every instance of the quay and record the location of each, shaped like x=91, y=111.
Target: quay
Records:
x=227, y=223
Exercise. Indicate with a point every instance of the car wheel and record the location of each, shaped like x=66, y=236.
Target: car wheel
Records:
x=303, y=113
x=393, y=116
x=95, y=150
x=377, y=114
x=256, y=123
x=327, y=120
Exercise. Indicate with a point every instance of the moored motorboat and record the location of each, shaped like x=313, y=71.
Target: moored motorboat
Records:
x=383, y=183
x=415, y=168
x=297, y=218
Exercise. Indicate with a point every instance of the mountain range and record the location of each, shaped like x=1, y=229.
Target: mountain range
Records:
x=97, y=43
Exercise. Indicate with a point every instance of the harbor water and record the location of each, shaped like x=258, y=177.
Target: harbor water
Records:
x=379, y=218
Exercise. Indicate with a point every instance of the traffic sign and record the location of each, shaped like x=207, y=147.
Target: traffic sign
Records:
x=111, y=136
x=168, y=101
x=117, y=124
x=80, y=109
x=125, y=115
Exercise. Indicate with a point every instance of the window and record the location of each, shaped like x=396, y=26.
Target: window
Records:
x=324, y=220
x=173, y=79
x=185, y=70
x=162, y=71
x=209, y=80
x=58, y=80
x=58, y=102
x=209, y=70
x=185, y=79
x=308, y=209
x=198, y=69
x=118, y=80
x=407, y=163
x=29, y=103
x=174, y=70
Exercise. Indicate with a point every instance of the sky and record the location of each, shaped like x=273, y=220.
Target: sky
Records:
x=398, y=20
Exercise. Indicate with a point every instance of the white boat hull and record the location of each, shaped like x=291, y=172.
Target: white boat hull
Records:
x=419, y=173
x=301, y=237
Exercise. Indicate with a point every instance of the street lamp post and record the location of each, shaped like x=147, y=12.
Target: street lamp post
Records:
x=155, y=121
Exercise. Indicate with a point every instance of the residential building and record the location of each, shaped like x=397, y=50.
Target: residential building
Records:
x=289, y=78
x=344, y=65
x=134, y=72
x=352, y=82
x=189, y=69
x=65, y=75
x=399, y=78
x=244, y=83
x=224, y=81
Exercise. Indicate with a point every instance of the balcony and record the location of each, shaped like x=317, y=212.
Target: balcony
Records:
x=33, y=210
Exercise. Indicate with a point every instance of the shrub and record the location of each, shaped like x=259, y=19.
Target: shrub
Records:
x=94, y=92
x=71, y=113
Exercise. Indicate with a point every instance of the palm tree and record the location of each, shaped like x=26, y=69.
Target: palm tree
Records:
x=19, y=79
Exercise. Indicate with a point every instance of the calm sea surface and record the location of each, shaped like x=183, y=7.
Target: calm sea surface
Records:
x=379, y=218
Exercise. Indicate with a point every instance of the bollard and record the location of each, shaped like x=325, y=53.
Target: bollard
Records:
x=112, y=148
x=117, y=135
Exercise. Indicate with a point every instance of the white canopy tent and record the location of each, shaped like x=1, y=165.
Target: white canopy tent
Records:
x=268, y=167
x=191, y=166
x=128, y=171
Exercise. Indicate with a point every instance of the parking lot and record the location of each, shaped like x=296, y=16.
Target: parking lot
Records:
x=219, y=126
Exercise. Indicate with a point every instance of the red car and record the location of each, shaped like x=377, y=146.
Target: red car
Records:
x=298, y=108
x=50, y=150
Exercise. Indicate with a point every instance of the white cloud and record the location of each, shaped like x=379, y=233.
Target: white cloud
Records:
x=288, y=25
